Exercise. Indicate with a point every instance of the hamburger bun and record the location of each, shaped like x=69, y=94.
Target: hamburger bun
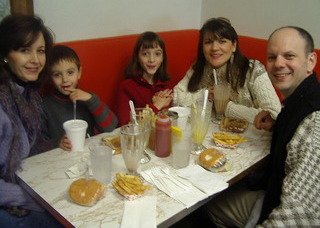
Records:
x=86, y=192
x=211, y=159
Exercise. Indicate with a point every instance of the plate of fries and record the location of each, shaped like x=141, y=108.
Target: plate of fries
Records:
x=129, y=186
x=228, y=140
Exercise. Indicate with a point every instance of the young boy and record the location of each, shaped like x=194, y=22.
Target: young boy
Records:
x=64, y=69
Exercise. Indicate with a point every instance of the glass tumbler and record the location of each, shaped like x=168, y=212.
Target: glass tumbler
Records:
x=144, y=119
x=200, y=120
x=133, y=143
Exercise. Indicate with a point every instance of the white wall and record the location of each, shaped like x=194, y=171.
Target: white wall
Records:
x=4, y=8
x=258, y=18
x=83, y=19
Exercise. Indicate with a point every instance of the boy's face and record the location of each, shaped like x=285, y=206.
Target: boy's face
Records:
x=65, y=75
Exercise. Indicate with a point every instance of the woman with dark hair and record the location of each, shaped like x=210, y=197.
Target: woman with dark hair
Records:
x=146, y=78
x=24, y=44
x=219, y=60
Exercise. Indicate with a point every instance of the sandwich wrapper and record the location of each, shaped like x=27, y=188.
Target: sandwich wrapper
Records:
x=208, y=182
x=140, y=213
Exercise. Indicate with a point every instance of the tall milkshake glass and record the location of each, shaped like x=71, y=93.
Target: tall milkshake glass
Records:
x=221, y=99
x=133, y=143
x=200, y=121
x=144, y=119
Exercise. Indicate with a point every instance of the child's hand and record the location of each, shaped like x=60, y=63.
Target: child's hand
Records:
x=162, y=99
x=79, y=95
x=65, y=143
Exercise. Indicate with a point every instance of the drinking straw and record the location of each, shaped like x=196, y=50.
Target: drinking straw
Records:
x=88, y=168
x=215, y=77
x=74, y=110
x=194, y=107
x=205, y=100
x=133, y=112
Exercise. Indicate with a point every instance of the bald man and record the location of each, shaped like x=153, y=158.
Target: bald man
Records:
x=288, y=192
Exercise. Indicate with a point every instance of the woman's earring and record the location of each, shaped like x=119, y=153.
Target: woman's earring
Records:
x=5, y=60
x=231, y=58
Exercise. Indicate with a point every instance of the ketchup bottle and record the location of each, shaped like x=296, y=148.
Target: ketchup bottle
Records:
x=163, y=136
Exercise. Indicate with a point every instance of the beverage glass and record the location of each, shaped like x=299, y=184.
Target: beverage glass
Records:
x=221, y=99
x=181, y=148
x=200, y=121
x=101, y=160
x=133, y=143
x=76, y=133
x=144, y=118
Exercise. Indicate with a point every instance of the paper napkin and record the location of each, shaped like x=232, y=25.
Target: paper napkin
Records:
x=174, y=186
x=80, y=168
x=140, y=213
x=208, y=182
x=77, y=170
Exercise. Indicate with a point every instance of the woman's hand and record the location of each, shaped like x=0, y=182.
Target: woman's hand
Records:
x=162, y=99
x=65, y=143
x=263, y=120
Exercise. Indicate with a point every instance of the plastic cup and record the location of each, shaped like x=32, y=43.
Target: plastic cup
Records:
x=181, y=149
x=183, y=115
x=76, y=133
x=221, y=99
x=101, y=160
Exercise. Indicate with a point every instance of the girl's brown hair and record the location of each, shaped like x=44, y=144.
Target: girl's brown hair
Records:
x=145, y=41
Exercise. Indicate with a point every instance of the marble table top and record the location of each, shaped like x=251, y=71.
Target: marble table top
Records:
x=45, y=178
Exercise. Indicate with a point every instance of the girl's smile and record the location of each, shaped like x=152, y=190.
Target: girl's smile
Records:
x=150, y=60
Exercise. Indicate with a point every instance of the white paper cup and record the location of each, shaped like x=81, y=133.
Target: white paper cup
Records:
x=76, y=133
x=183, y=115
x=101, y=161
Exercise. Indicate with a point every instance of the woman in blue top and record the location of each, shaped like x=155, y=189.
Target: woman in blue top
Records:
x=24, y=44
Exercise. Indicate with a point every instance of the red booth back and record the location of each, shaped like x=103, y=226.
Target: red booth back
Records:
x=105, y=59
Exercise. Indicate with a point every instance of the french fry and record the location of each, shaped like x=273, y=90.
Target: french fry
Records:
x=228, y=139
x=125, y=187
x=118, y=188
